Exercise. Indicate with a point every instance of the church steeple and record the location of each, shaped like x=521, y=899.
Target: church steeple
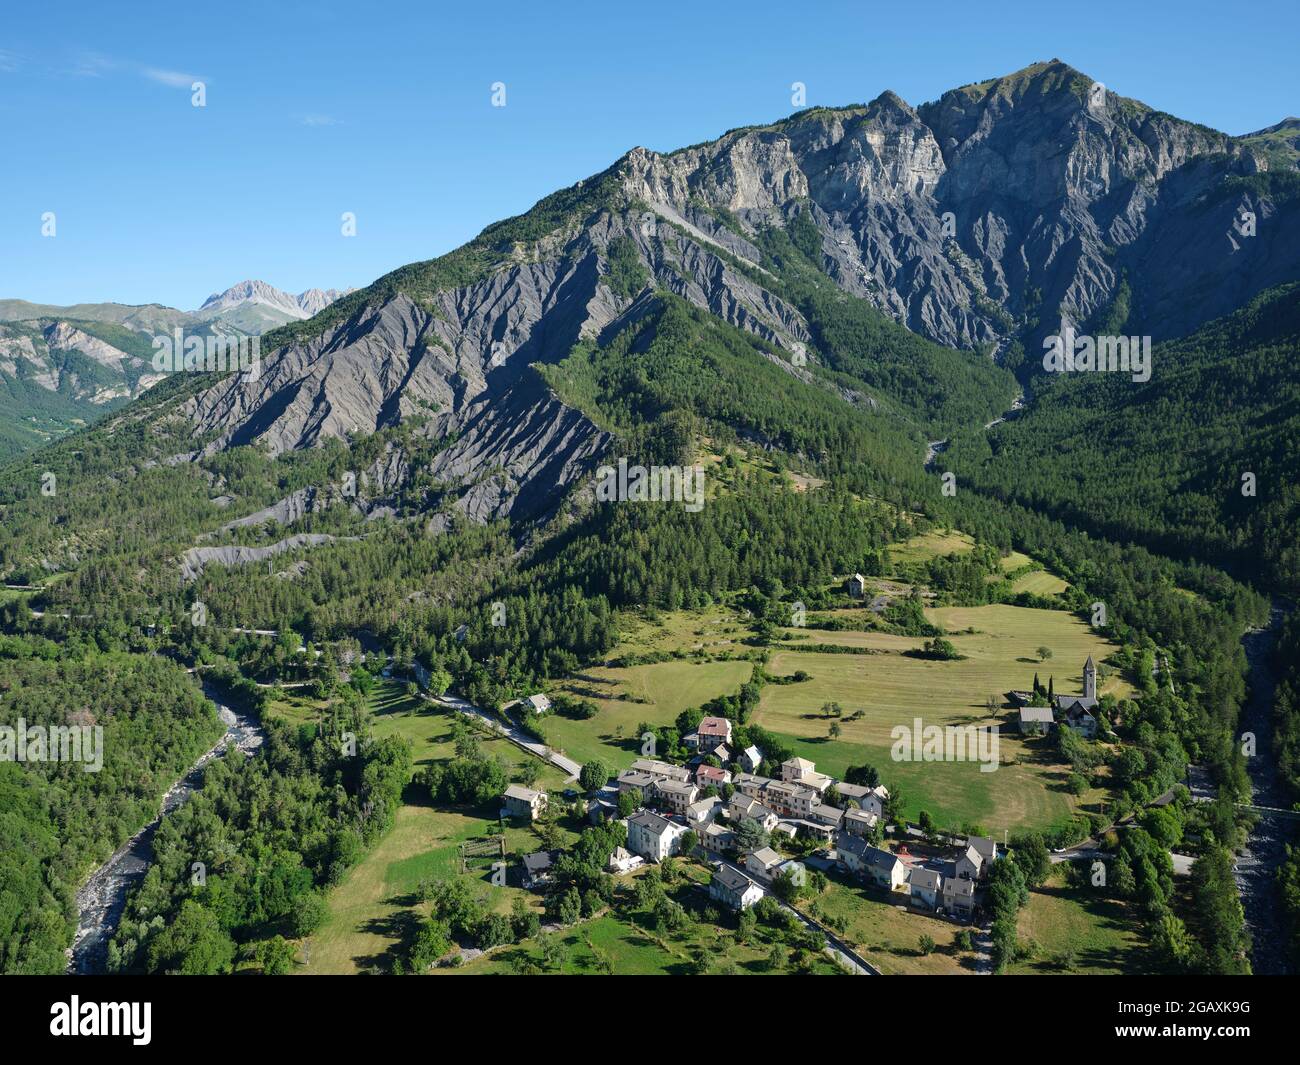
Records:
x=1089, y=679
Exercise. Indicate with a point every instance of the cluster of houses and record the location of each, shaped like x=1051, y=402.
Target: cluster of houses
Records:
x=936, y=886
x=1075, y=711
x=676, y=800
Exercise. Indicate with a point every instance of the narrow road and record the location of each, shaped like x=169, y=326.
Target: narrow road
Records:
x=102, y=898
x=516, y=736
x=933, y=447
x=836, y=947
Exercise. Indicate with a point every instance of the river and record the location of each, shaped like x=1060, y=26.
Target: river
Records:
x=1258, y=864
x=102, y=898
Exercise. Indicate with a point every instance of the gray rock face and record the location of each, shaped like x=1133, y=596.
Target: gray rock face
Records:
x=196, y=559
x=990, y=213
x=1053, y=194
x=48, y=354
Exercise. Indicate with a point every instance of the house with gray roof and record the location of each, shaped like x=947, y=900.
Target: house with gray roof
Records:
x=676, y=795
x=653, y=837
x=537, y=868
x=717, y=839
x=874, y=864
x=763, y=862
x=519, y=801
x=926, y=886
x=958, y=896
x=733, y=888
x=1035, y=720
x=987, y=849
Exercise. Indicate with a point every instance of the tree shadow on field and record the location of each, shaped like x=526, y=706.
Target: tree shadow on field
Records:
x=401, y=927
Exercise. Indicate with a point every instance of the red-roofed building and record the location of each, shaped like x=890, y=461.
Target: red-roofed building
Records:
x=713, y=732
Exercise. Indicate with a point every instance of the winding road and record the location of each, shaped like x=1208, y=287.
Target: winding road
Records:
x=516, y=736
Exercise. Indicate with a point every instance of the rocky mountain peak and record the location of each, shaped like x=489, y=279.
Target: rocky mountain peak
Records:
x=302, y=306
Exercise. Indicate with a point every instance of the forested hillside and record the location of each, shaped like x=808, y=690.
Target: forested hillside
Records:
x=57, y=819
x=1163, y=462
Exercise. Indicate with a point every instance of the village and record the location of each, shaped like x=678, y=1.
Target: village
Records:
x=719, y=810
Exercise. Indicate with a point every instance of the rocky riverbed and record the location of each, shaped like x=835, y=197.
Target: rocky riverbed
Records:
x=102, y=898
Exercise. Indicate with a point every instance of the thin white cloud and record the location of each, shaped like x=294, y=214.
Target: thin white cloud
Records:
x=9, y=61
x=319, y=120
x=93, y=65
x=174, y=79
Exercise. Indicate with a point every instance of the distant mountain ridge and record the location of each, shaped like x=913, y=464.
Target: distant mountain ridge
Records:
x=878, y=253
x=65, y=366
x=304, y=305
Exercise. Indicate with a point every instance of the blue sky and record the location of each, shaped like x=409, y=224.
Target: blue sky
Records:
x=384, y=110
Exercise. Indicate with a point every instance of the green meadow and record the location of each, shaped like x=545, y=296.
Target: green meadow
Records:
x=1069, y=930
x=891, y=688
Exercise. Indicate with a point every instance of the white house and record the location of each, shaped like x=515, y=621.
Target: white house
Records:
x=874, y=803
x=857, y=586
x=958, y=896
x=926, y=886
x=733, y=888
x=703, y=812
x=653, y=837
x=873, y=864
x=802, y=771
x=987, y=850
x=520, y=801
x=859, y=822
x=750, y=759
x=538, y=704
x=623, y=861
x=537, y=868
x=763, y=862
x=969, y=864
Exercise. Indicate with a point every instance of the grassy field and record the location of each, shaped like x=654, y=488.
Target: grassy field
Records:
x=892, y=688
x=1078, y=931
x=375, y=909
x=926, y=546
x=1039, y=582
x=656, y=692
x=623, y=945
x=936, y=543
x=888, y=935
